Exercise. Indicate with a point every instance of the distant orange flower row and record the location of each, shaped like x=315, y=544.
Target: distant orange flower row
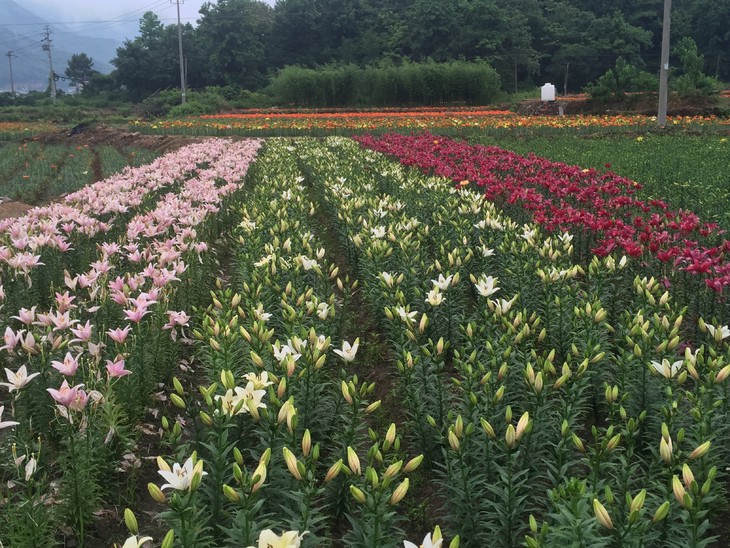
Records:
x=430, y=119
x=23, y=128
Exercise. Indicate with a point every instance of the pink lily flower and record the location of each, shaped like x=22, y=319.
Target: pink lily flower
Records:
x=68, y=366
x=119, y=335
x=116, y=369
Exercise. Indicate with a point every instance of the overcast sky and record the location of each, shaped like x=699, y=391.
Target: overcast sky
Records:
x=112, y=14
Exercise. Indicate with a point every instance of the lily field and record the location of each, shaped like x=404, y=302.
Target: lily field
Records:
x=486, y=330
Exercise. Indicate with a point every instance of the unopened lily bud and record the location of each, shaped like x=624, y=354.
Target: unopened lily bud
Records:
x=510, y=436
x=206, y=419
x=156, y=493
x=487, y=428
x=602, y=514
x=291, y=463
x=459, y=426
x=613, y=443
x=357, y=494
x=346, y=392
x=256, y=359
x=353, y=461
x=521, y=425
x=665, y=450
x=399, y=492
x=423, y=324
x=454, y=542
x=131, y=521
x=700, y=451
x=169, y=540
x=390, y=436
x=281, y=389
x=539, y=383
x=259, y=476
x=412, y=464
x=393, y=469
x=687, y=476
x=177, y=401
x=306, y=443
x=231, y=494
x=334, y=471
x=723, y=374
x=678, y=489
x=638, y=501
x=227, y=379
x=453, y=440
x=197, y=476
x=578, y=444
x=373, y=407
x=661, y=512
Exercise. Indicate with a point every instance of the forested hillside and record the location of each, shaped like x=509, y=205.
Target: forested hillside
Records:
x=240, y=42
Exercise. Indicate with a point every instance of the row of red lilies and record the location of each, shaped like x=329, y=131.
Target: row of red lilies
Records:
x=562, y=197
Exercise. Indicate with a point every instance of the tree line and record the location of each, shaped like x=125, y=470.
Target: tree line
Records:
x=246, y=43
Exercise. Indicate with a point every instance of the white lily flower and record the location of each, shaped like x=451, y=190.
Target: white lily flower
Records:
x=180, y=477
x=134, y=542
x=18, y=380
x=307, y=263
x=269, y=539
x=722, y=332
x=435, y=297
x=388, y=278
x=442, y=283
x=377, y=232
x=6, y=424
x=428, y=542
x=348, y=351
x=486, y=285
x=665, y=369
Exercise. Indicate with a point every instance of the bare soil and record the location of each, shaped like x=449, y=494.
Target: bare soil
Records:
x=95, y=135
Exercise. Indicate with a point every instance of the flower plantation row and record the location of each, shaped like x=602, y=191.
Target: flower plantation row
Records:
x=546, y=401
x=480, y=121
x=600, y=208
x=383, y=352
x=94, y=293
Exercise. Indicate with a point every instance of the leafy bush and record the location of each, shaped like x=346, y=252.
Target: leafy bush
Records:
x=620, y=79
x=693, y=80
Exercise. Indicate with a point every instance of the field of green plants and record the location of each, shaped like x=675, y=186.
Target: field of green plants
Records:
x=33, y=173
x=384, y=341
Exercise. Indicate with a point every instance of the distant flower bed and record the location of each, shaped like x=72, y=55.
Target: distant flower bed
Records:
x=305, y=122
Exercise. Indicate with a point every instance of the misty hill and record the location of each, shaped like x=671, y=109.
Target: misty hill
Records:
x=21, y=31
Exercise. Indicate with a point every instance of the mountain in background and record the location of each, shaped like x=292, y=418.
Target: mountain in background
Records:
x=21, y=31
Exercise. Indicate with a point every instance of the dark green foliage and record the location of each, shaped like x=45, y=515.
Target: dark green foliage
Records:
x=427, y=83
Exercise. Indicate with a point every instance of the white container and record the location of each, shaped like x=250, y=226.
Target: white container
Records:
x=547, y=92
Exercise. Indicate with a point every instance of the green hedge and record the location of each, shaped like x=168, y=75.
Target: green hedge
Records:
x=388, y=85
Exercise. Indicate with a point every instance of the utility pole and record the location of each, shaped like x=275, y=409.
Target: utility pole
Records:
x=664, y=68
x=47, y=47
x=179, y=41
x=10, y=55
x=565, y=83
